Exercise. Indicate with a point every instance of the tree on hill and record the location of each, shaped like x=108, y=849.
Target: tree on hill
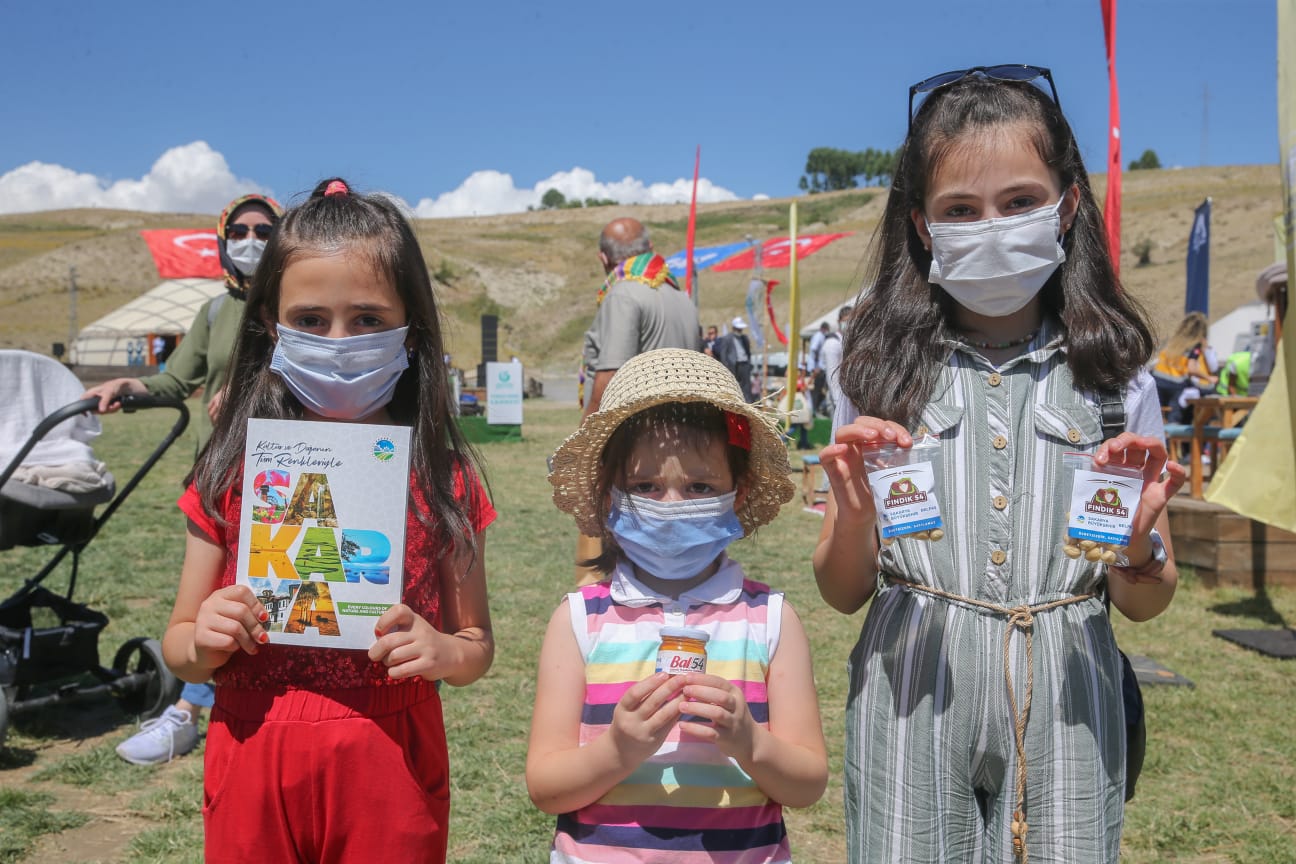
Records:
x=1148, y=161
x=829, y=169
x=553, y=200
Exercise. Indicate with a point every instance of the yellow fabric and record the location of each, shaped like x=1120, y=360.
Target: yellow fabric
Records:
x=1259, y=475
x=1258, y=478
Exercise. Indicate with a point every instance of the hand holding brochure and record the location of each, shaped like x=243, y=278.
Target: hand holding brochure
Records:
x=322, y=527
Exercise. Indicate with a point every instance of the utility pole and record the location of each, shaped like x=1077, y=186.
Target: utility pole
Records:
x=72, y=312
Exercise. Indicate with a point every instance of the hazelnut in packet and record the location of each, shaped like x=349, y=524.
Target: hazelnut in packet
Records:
x=904, y=483
x=1103, y=504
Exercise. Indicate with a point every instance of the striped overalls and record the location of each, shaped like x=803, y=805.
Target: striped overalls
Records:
x=931, y=754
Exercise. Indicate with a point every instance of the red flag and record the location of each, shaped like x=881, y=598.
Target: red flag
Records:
x=688, y=261
x=769, y=307
x=182, y=253
x=1112, y=206
x=778, y=252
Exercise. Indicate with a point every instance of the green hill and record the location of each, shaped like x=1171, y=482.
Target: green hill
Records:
x=538, y=270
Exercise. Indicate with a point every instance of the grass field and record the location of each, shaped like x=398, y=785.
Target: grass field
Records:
x=1219, y=784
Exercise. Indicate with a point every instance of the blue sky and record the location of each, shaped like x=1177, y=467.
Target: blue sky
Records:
x=178, y=106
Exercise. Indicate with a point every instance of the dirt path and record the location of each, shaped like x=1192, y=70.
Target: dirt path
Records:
x=83, y=733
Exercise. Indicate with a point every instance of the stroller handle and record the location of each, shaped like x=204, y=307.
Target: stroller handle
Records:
x=91, y=405
x=131, y=402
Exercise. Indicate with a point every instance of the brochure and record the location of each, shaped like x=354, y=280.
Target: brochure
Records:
x=322, y=529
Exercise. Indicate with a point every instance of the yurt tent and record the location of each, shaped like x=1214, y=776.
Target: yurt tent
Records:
x=121, y=338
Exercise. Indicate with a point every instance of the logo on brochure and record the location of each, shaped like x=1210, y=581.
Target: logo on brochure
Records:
x=384, y=449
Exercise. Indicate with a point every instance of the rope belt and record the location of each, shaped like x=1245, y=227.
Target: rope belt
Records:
x=1019, y=618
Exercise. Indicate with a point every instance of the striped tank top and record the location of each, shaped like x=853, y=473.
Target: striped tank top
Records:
x=688, y=803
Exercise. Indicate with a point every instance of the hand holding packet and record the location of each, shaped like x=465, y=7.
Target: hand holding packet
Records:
x=904, y=481
x=1103, y=504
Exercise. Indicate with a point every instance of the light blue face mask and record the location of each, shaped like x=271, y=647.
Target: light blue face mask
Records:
x=343, y=379
x=673, y=539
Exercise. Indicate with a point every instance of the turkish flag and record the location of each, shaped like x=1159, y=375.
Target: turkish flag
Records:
x=182, y=253
x=778, y=252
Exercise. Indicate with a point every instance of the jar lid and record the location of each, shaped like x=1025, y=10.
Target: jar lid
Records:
x=686, y=633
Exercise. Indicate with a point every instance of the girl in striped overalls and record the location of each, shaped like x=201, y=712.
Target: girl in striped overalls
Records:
x=985, y=718
x=641, y=765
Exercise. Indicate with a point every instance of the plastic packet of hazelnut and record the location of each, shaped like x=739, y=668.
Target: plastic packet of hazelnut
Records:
x=904, y=481
x=1103, y=503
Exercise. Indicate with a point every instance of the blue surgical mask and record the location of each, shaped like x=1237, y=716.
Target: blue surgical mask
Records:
x=343, y=379
x=673, y=539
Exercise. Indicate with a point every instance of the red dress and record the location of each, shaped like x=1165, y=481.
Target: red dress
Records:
x=314, y=754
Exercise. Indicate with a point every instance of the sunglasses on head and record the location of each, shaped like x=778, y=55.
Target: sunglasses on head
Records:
x=236, y=231
x=1004, y=72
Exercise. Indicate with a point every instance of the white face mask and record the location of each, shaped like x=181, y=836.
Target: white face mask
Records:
x=245, y=253
x=343, y=379
x=994, y=267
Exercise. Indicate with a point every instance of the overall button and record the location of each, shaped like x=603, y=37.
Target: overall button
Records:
x=999, y=442
x=998, y=556
x=920, y=431
x=1000, y=502
x=995, y=379
x=1073, y=435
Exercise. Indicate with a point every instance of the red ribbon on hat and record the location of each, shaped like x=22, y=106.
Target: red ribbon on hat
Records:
x=739, y=430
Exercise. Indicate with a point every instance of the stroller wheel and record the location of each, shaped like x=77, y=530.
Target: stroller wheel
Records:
x=158, y=689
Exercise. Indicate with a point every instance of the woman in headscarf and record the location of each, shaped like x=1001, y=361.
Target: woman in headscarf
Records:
x=201, y=357
x=200, y=360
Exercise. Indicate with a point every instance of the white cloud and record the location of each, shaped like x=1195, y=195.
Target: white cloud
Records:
x=760, y=196
x=191, y=178
x=488, y=192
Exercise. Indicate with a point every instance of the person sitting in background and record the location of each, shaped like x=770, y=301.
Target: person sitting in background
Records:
x=1185, y=368
x=1235, y=376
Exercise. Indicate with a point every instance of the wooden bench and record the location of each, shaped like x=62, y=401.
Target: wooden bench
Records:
x=1217, y=422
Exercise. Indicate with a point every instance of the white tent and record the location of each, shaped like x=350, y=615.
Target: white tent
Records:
x=1232, y=332
x=830, y=316
x=120, y=338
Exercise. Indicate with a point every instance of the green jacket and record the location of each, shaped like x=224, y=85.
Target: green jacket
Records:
x=200, y=359
x=1237, y=370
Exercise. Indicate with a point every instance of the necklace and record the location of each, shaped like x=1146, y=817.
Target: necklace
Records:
x=993, y=346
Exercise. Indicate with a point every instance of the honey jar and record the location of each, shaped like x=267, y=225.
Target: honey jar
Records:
x=682, y=650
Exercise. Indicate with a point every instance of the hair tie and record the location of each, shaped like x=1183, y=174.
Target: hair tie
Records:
x=337, y=187
x=739, y=430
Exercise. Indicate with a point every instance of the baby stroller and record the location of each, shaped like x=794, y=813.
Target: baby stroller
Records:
x=50, y=485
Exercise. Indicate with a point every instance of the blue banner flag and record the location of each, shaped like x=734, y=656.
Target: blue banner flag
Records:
x=1197, y=297
x=703, y=257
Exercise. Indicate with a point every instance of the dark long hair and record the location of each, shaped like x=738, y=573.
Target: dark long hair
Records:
x=371, y=225
x=895, y=343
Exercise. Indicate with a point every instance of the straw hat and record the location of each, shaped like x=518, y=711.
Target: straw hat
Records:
x=670, y=375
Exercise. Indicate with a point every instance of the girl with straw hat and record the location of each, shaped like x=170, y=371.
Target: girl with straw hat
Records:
x=637, y=763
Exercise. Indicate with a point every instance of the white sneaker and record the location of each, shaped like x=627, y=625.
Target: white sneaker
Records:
x=161, y=739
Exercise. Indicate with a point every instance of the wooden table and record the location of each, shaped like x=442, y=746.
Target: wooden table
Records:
x=1211, y=415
